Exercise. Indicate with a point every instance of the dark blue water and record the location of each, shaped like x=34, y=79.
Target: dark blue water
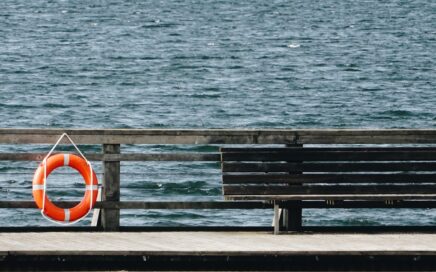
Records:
x=209, y=64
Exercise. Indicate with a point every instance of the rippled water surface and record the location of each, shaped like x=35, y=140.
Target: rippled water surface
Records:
x=211, y=64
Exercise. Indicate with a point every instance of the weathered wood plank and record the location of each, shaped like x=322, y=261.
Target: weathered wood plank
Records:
x=193, y=205
x=309, y=155
x=146, y=136
x=120, y=157
x=30, y=204
x=41, y=156
x=357, y=197
x=273, y=190
x=328, y=178
x=325, y=148
x=347, y=204
x=215, y=157
x=110, y=218
x=202, y=243
x=220, y=136
x=394, y=139
x=327, y=167
x=162, y=205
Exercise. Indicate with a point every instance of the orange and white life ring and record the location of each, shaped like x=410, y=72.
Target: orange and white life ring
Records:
x=50, y=209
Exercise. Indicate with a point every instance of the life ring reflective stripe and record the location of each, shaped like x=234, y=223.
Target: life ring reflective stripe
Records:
x=53, y=211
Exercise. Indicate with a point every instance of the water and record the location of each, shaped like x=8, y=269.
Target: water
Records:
x=212, y=64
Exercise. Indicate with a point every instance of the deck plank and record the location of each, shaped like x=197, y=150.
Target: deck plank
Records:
x=208, y=243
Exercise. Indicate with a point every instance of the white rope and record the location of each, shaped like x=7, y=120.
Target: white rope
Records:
x=44, y=161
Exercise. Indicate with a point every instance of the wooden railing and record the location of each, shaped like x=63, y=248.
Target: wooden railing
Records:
x=111, y=155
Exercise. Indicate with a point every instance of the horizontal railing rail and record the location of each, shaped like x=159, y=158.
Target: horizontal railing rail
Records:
x=150, y=205
x=211, y=157
x=220, y=136
x=211, y=205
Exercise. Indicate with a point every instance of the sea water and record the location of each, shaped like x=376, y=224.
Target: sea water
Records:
x=209, y=64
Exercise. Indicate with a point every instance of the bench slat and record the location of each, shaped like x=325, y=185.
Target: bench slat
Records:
x=328, y=178
x=297, y=148
x=307, y=155
x=329, y=190
x=369, y=197
x=327, y=167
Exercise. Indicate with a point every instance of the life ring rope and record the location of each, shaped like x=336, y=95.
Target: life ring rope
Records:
x=72, y=161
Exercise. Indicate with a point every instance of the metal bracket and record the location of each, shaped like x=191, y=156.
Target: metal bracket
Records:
x=330, y=202
x=389, y=202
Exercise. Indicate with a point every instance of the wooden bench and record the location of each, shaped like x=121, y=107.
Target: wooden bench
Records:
x=350, y=177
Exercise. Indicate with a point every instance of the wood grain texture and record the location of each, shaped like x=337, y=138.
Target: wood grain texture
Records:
x=214, y=244
x=327, y=166
x=221, y=136
x=30, y=204
x=356, y=190
x=289, y=148
x=324, y=197
x=120, y=157
x=381, y=172
x=330, y=155
x=253, y=178
x=110, y=218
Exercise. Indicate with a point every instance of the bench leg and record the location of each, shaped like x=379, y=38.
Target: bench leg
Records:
x=294, y=217
x=284, y=219
x=276, y=222
x=96, y=215
x=290, y=218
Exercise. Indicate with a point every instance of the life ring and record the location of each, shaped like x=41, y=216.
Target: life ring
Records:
x=50, y=209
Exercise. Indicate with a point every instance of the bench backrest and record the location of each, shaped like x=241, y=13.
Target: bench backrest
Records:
x=367, y=173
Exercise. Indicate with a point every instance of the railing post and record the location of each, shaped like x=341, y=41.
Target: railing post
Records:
x=110, y=218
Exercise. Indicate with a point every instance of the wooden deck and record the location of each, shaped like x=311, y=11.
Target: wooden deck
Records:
x=214, y=243
x=216, y=250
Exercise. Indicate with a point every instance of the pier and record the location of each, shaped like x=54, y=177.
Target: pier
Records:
x=108, y=245
x=225, y=250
